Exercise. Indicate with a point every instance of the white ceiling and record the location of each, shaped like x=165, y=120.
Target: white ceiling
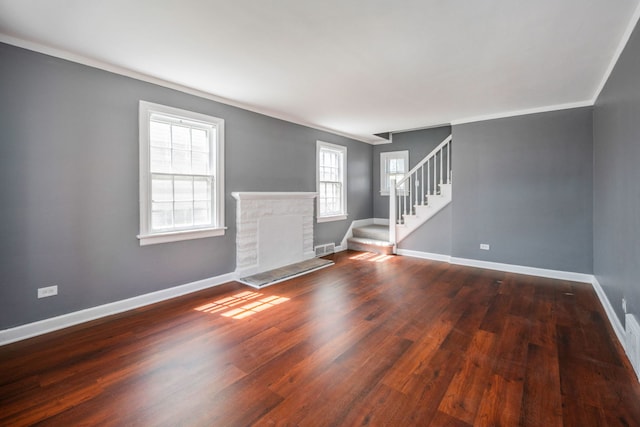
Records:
x=355, y=67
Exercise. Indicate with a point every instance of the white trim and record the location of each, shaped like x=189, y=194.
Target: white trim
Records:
x=438, y=125
x=616, y=56
x=176, y=236
x=508, y=268
x=505, y=114
x=342, y=150
x=381, y=221
x=383, y=142
x=94, y=63
x=272, y=195
x=618, y=328
x=40, y=327
x=216, y=158
x=521, y=269
x=423, y=255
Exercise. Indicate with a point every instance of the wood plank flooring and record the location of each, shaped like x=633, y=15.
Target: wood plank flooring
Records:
x=373, y=340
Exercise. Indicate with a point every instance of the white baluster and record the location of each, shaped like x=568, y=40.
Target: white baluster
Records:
x=449, y=163
x=422, y=181
x=404, y=198
x=393, y=216
x=441, y=154
x=411, y=195
x=428, y=179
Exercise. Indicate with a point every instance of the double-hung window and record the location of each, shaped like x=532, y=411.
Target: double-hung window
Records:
x=393, y=166
x=181, y=174
x=331, y=181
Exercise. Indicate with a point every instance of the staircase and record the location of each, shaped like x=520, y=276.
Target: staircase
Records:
x=422, y=193
x=371, y=238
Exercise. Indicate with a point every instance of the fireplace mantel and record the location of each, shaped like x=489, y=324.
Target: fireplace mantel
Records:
x=271, y=195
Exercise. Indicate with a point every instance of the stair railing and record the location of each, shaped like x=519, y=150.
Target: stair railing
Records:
x=429, y=173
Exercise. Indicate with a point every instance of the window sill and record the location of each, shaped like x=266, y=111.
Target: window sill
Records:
x=176, y=236
x=332, y=218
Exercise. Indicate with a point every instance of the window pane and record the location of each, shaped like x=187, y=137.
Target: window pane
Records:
x=181, y=137
x=181, y=161
x=183, y=188
x=199, y=140
x=183, y=214
x=202, y=213
x=323, y=173
x=160, y=134
x=323, y=198
x=201, y=189
x=161, y=216
x=160, y=159
x=161, y=188
x=199, y=162
x=393, y=167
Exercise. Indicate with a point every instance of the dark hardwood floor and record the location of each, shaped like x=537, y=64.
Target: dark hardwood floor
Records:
x=373, y=340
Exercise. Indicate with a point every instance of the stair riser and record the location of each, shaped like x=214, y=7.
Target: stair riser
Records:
x=363, y=247
x=371, y=234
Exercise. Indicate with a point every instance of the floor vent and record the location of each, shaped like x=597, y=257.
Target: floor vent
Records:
x=633, y=341
x=322, y=250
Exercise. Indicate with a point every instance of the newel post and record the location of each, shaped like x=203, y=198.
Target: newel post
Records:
x=392, y=213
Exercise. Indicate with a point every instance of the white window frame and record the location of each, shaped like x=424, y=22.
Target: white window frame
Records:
x=342, y=150
x=148, y=236
x=384, y=173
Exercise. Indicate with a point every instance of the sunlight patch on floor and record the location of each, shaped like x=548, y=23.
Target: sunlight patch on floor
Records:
x=371, y=257
x=242, y=305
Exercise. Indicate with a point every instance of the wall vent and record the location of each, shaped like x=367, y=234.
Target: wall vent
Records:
x=326, y=249
x=633, y=341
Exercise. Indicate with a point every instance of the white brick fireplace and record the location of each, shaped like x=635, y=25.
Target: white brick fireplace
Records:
x=273, y=229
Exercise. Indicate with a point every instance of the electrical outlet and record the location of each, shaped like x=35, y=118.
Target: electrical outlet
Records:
x=48, y=291
x=485, y=246
x=624, y=305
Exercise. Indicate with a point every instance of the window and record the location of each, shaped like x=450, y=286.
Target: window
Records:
x=331, y=181
x=393, y=166
x=181, y=175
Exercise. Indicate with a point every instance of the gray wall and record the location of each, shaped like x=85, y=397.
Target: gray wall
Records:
x=524, y=186
x=434, y=236
x=419, y=143
x=69, y=172
x=617, y=182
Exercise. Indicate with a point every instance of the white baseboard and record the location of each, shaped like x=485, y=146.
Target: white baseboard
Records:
x=381, y=221
x=423, y=255
x=40, y=327
x=521, y=269
x=618, y=328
